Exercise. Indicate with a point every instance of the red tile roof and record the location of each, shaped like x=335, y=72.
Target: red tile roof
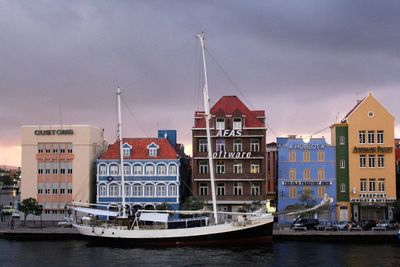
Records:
x=232, y=105
x=140, y=151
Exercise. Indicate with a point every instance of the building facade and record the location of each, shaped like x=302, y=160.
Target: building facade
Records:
x=367, y=133
x=306, y=172
x=151, y=173
x=58, y=165
x=238, y=144
x=272, y=167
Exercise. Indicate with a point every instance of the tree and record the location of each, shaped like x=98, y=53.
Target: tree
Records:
x=192, y=203
x=29, y=206
x=306, y=198
x=163, y=206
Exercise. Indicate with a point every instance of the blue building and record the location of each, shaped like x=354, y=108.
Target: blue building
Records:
x=151, y=170
x=306, y=172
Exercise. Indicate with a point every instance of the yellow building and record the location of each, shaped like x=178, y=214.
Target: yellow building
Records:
x=367, y=133
x=58, y=164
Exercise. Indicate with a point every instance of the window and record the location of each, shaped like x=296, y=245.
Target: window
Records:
x=342, y=140
x=114, y=190
x=128, y=190
x=237, y=123
x=203, y=145
x=55, y=148
x=103, y=170
x=172, y=190
x=126, y=152
x=371, y=161
x=342, y=164
x=321, y=155
x=203, y=189
x=237, y=166
x=220, y=124
x=48, y=150
x=220, y=145
x=220, y=167
x=306, y=155
x=149, y=190
x=372, y=185
x=40, y=148
x=292, y=174
x=137, y=170
x=137, y=190
x=255, y=166
x=220, y=189
x=292, y=155
x=161, y=170
x=161, y=190
x=361, y=137
x=343, y=188
x=363, y=185
x=237, y=189
x=69, y=166
x=254, y=145
x=102, y=190
x=153, y=148
x=363, y=161
x=321, y=191
x=149, y=170
x=69, y=148
x=321, y=174
x=41, y=167
x=62, y=148
x=306, y=174
x=48, y=167
x=292, y=192
x=237, y=145
x=172, y=169
x=113, y=170
x=381, y=185
x=381, y=161
x=255, y=189
x=371, y=137
x=203, y=167
x=379, y=137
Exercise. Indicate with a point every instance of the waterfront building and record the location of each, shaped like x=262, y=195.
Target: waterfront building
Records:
x=58, y=165
x=272, y=166
x=306, y=172
x=238, y=144
x=365, y=162
x=397, y=156
x=152, y=168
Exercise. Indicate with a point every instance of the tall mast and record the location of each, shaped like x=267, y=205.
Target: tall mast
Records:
x=207, y=115
x=121, y=153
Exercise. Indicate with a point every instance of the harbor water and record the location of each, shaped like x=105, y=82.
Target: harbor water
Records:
x=293, y=253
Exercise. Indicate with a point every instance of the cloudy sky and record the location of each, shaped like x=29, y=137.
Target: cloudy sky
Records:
x=303, y=62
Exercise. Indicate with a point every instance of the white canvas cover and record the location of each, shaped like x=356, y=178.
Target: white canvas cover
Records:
x=154, y=217
x=97, y=211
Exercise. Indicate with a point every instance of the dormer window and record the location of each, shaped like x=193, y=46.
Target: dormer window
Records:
x=237, y=123
x=153, y=149
x=220, y=124
x=126, y=150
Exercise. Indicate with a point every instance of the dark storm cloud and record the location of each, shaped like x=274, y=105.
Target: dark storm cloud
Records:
x=288, y=57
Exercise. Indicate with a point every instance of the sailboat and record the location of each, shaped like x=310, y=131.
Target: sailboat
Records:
x=153, y=228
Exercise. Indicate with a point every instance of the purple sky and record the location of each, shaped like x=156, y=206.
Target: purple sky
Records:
x=304, y=62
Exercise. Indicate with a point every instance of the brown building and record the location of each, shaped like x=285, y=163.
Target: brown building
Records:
x=272, y=161
x=238, y=146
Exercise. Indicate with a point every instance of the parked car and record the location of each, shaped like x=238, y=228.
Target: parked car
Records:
x=388, y=225
x=16, y=214
x=7, y=210
x=308, y=223
x=367, y=224
x=342, y=226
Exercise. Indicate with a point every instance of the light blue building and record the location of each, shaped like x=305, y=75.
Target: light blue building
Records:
x=151, y=171
x=306, y=172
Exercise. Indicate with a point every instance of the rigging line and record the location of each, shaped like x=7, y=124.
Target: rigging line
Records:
x=229, y=79
x=317, y=132
x=133, y=115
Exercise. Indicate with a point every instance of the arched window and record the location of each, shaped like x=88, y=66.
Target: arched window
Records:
x=102, y=190
x=149, y=190
x=114, y=190
x=128, y=190
x=127, y=169
x=161, y=190
x=172, y=169
x=137, y=190
x=172, y=190
x=161, y=169
x=137, y=169
x=114, y=170
x=149, y=169
x=102, y=170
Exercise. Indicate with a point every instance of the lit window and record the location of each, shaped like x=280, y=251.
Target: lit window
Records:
x=321, y=155
x=292, y=155
x=306, y=156
x=321, y=174
x=292, y=192
x=306, y=174
x=292, y=174
x=321, y=191
x=254, y=166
